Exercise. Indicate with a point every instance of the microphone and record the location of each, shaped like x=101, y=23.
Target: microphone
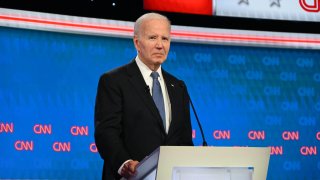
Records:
x=204, y=142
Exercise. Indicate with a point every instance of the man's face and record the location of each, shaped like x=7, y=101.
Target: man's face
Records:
x=153, y=42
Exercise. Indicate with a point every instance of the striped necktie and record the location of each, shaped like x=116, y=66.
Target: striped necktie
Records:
x=158, y=97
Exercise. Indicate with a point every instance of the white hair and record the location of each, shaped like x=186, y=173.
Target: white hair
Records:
x=148, y=16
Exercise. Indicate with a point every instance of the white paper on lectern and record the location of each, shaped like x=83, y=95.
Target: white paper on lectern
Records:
x=209, y=173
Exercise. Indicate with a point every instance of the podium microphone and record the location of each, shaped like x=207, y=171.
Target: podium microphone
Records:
x=204, y=142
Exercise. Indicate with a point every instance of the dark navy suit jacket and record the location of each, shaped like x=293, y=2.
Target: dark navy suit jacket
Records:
x=127, y=122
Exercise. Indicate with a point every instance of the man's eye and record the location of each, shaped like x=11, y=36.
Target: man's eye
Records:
x=165, y=39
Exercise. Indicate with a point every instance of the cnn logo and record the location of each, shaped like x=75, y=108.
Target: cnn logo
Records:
x=308, y=150
x=219, y=134
x=315, y=7
x=276, y=150
x=79, y=130
x=256, y=135
x=6, y=127
x=61, y=146
x=23, y=145
x=290, y=135
x=42, y=129
x=93, y=148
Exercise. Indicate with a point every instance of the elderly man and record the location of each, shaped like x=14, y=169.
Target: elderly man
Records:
x=140, y=106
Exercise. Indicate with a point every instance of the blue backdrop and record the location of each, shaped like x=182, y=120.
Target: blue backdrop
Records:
x=245, y=96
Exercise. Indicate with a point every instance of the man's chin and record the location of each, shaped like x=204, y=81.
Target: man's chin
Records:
x=159, y=62
x=159, y=59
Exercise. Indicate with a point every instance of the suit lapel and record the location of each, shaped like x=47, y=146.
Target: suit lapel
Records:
x=171, y=88
x=138, y=83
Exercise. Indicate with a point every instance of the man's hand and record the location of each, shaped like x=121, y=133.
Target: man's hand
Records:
x=129, y=169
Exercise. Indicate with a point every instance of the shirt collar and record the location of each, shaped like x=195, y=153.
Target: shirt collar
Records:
x=145, y=70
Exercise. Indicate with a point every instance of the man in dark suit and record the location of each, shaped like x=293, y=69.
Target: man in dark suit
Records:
x=140, y=106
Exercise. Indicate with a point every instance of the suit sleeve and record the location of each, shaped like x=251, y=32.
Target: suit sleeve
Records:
x=187, y=137
x=108, y=119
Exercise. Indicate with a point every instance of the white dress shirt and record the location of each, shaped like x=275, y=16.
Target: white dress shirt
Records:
x=146, y=72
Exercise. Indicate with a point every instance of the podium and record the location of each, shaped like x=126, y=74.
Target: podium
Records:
x=195, y=163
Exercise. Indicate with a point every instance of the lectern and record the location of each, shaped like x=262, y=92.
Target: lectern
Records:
x=204, y=163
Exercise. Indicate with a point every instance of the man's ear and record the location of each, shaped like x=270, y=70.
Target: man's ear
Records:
x=136, y=42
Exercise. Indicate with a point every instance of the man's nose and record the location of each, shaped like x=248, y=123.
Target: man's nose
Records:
x=159, y=43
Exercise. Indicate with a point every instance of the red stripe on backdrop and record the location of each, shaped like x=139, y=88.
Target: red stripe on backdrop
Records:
x=189, y=35
x=203, y=7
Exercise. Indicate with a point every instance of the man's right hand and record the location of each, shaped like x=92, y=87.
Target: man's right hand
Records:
x=129, y=169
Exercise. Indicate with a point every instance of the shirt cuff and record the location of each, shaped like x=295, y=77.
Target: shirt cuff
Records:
x=120, y=168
